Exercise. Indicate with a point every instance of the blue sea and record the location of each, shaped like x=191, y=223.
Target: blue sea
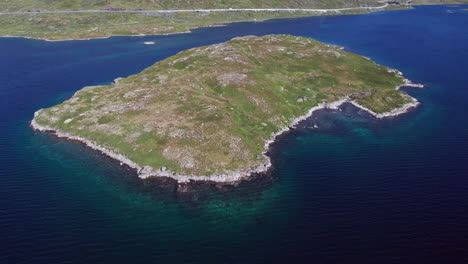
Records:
x=353, y=190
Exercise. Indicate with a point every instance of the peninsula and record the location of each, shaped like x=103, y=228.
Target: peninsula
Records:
x=210, y=113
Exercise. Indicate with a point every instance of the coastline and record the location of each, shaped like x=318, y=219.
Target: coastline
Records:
x=320, y=12
x=106, y=37
x=232, y=177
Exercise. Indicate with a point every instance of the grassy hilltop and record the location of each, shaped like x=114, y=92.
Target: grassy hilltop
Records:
x=210, y=109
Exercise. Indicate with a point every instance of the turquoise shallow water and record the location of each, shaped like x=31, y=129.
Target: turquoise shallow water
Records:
x=355, y=190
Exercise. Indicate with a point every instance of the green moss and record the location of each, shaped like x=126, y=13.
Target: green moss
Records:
x=105, y=119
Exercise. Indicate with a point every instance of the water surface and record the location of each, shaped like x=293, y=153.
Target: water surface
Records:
x=355, y=190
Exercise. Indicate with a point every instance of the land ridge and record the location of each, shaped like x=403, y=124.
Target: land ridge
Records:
x=116, y=5
x=81, y=21
x=149, y=11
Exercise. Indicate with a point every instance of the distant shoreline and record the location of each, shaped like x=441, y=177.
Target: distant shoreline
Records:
x=84, y=39
x=312, y=12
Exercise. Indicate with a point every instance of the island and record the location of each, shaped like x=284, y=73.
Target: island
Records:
x=210, y=113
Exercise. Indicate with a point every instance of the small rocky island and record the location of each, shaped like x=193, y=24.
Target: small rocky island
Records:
x=210, y=113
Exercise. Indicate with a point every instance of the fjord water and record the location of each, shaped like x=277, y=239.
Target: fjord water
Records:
x=353, y=190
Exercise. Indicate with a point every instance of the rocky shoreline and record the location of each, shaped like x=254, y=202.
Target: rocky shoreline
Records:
x=234, y=176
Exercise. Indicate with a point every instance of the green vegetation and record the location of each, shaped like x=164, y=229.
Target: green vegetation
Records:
x=64, y=26
x=96, y=25
x=210, y=109
x=83, y=26
x=21, y=5
x=25, y=5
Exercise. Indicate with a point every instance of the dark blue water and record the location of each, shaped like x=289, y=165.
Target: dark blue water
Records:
x=355, y=190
